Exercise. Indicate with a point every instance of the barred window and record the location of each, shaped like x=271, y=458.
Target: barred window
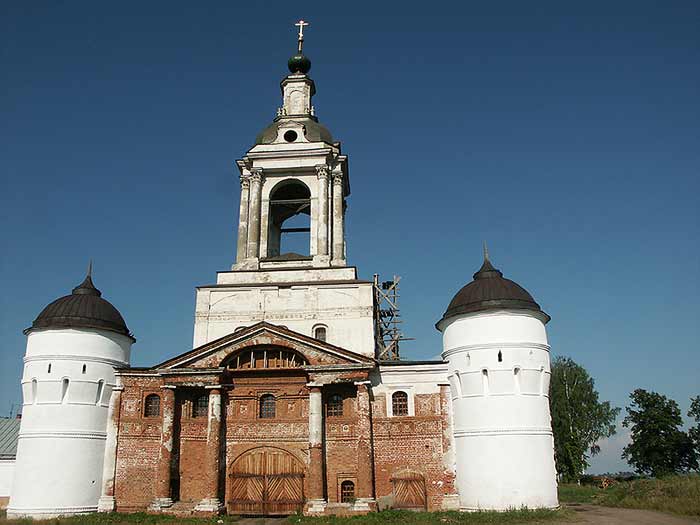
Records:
x=347, y=491
x=152, y=406
x=200, y=406
x=399, y=404
x=267, y=406
x=334, y=406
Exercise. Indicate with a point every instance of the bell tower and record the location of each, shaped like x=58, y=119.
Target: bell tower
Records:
x=291, y=266
x=294, y=171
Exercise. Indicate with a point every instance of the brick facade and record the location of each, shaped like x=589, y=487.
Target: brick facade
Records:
x=211, y=420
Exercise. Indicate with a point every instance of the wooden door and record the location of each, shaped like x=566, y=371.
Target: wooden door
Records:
x=266, y=481
x=409, y=491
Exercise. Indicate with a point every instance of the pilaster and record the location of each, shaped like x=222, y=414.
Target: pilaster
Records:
x=242, y=245
x=107, y=501
x=316, y=501
x=163, y=499
x=338, y=221
x=212, y=503
x=365, y=456
x=253, y=246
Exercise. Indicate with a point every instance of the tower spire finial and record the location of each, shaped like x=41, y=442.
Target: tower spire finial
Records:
x=89, y=272
x=486, y=252
x=301, y=24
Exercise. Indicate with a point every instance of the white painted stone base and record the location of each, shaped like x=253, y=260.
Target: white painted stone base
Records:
x=316, y=506
x=48, y=512
x=363, y=504
x=159, y=504
x=209, y=505
x=450, y=502
x=106, y=504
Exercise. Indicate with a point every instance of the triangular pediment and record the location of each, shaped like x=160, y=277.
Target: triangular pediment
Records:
x=317, y=353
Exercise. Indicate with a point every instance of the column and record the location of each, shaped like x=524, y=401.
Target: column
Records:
x=338, y=236
x=365, y=457
x=322, y=230
x=212, y=503
x=107, y=501
x=241, y=247
x=163, y=497
x=253, y=251
x=317, y=502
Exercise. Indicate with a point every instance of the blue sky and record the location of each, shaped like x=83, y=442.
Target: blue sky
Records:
x=566, y=135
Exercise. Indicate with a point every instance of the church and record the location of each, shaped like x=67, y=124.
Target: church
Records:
x=284, y=404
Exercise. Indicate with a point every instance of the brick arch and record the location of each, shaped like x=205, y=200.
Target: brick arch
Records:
x=264, y=356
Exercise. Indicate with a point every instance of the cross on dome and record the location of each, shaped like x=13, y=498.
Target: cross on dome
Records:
x=301, y=24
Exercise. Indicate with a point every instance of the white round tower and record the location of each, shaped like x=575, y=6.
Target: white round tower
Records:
x=495, y=342
x=73, y=347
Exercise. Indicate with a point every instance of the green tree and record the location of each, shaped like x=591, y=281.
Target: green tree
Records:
x=694, y=413
x=659, y=447
x=579, y=419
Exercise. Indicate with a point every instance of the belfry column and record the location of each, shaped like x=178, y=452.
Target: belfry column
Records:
x=163, y=497
x=212, y=503
x=241, y=248
x=322, y=234
x=316, y=502
x=338, y=227
x=107, y=502
x=255, y=203
x=365, y=457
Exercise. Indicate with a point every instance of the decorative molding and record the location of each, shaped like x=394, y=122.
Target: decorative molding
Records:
x=71, y=357
x=491, y=346
x=522, y=431
x=63, y=434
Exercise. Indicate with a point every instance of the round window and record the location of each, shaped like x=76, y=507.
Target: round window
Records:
x=290, y=136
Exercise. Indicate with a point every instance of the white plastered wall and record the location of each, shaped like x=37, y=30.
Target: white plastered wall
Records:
x=502, y=427
x=7, y=470
x=62, y=435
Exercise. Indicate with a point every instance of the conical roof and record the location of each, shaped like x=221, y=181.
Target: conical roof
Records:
x=83, y=308
x=490, y=291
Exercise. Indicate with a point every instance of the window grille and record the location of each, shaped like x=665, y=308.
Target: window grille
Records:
x=267, y=406
x=152, y=406
x=347, y=492
x=399, y=404
x=200, y=407
x=334, y=406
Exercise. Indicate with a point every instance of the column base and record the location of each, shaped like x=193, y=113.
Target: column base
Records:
x=247, y=264
x=321, y=261
x=209, y=505
x=339, y=262
x=107, y=504
x=160, y=504
x=316, y=506
x=364, y=505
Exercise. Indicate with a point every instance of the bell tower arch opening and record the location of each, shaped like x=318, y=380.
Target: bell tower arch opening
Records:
x=289, y=224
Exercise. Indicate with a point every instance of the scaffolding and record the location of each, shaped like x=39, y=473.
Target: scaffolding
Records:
x=387, y=319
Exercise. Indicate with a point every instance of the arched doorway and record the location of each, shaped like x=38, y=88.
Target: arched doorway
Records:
x=266, y=481
x=409, y=490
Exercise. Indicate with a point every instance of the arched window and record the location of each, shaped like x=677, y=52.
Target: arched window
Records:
x=151, y=406
x=84, y=368
x=347, y=491
x=100, y=388
x=48, y=371
x=334, y=406
x=64, y=389
x=267, y=406
x=399, y=403
x=290, y=220
x=34, y=391
x=500, y=356
x=320, y=333
x=200, y=406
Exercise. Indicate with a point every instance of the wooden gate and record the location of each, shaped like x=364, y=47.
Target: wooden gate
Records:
x=266, y=481
x=409, y=490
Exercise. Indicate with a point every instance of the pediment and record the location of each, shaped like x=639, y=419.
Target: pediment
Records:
x=316, y=353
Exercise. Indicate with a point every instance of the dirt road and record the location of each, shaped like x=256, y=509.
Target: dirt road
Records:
x=611, y=516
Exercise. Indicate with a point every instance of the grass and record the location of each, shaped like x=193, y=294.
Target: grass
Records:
x=383, y=518
x=674, y=494
x=119, y=519
x=424, y=518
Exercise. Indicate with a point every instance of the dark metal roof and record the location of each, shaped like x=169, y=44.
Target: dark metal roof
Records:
x=490, y=291
x=313, y=130
x=84, y=308
x=9, y=432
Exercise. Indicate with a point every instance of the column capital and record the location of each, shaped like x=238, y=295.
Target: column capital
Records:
x=322, y=171
x=245, y=181
x=256, y=174
x=338, y=178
